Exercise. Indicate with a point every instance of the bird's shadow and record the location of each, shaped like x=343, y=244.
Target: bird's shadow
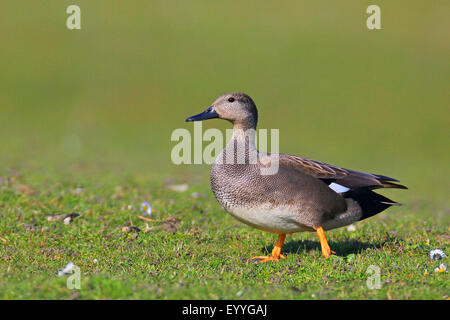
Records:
x=342, y=248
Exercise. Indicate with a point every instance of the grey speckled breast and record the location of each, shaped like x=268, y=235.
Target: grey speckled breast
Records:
x=289, y=201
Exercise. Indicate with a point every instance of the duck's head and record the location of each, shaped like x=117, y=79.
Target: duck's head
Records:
x=236, y=107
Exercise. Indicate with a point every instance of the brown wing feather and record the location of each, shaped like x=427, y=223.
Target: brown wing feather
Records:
x=345, y=177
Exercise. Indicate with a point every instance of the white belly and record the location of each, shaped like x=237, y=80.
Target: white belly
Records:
x=281, y=219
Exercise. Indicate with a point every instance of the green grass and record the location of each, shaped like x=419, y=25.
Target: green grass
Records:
x=207, y=255
x=85, y=124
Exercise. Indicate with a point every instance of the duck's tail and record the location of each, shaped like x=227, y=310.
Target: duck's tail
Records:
x=370, y=202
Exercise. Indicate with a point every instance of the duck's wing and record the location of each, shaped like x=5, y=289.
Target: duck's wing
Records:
x=340, y=177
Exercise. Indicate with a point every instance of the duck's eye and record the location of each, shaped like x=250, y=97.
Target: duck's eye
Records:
x=230, y=99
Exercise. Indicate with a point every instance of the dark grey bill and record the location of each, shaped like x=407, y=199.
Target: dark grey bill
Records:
x=209, y=113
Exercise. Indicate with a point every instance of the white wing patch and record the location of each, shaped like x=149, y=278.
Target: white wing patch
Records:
x=338, y=188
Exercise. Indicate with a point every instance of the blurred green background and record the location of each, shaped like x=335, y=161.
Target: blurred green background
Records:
x=105, y=99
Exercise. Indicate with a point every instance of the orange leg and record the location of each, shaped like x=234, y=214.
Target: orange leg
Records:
x=326, y=251
x=276, y=252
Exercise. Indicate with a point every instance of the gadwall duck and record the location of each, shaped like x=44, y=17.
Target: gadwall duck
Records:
x=300, y=195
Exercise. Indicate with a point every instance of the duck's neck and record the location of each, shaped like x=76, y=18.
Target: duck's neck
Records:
x=244, y=133
x=244, y=130
x=245, y=124
x=241, y=148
